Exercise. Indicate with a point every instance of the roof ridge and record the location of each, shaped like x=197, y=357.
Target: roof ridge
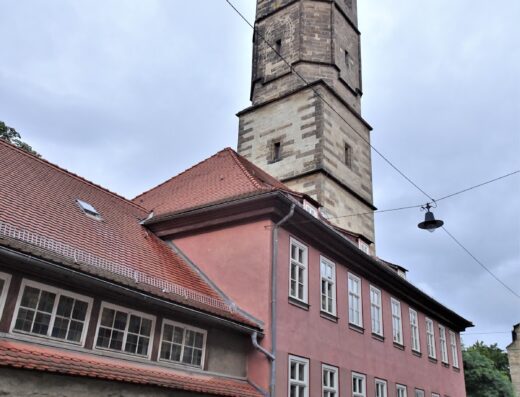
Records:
x=252, y=178
x=179, y=174
x=72, y=174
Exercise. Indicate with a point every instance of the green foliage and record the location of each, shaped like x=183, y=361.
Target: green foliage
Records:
x=495, y=354
x=12, y=136
x=486, y=372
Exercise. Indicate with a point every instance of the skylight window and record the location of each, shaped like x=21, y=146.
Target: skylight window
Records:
x=88, y=208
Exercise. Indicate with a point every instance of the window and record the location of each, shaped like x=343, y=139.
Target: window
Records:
x=430, y=338
x=50, y=312
x=88, y=208
x=454, y=350
x=328, y=286
x=310, y=209
x=401, y=391
x=4, y=286
x=298, y=377
x=355, y=314
x=444, y=346
x=419, y=393
x=182, y=344
x=376, y=313
x=330, y=382
x=397, y=324
x=348, y=150
x=124, y=330
x=277, y=151
x=298, y=272
x=414, y=328
x=278, y=45
x=381, y=388
x=358, y=385
x=364, y=247
x=436, y=395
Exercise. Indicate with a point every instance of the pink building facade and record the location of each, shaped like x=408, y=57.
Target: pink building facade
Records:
x=338, y=321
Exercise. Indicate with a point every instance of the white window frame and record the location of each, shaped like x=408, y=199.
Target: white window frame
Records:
x=454, y=349
x=58, y=292
x=443, y=344
x=329, y=390
x=401, y=390
x=364, y=246
x=326, y=262
x=376, y=310
x=436, y=395
x=363, y=391
x=311, y=209
x=303, y=265
x=397, y=321
x=419, y=393
x=305, y=382
x=3, y=296
x=128, y=311
x=185, y=327
x=430, y=338
x=352, y=298
x=414, y=331
x=383, y=388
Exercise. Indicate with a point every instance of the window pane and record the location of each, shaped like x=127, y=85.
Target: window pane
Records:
x=65, y=306
x=30, y=297
x=61, y=325
x=80, y=311
x=142, y=346
x=75, y=331
x=46, y=302
x=134, y=325
x=146, y=327
x=131, y=343
x=116, y=341
x=166, y=350
x=103, y=339
x=168, y=332
x=120, y=320
x=24, y=320
x=107, y=317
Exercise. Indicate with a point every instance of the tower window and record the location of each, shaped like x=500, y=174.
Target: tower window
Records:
x=348, y=156
x=278, y=45
x=347, y=59
x=277, y=151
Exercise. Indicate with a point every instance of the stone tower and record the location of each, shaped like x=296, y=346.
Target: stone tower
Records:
x=289, y=130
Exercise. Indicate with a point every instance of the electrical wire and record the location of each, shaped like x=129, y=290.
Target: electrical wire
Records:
x=256, y=32
x=420, y=205
x=480, y=263
x=293, y=70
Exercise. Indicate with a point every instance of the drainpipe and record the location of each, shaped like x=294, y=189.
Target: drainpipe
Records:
x=274, y=267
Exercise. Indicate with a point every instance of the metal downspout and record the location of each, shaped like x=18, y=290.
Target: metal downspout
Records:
x=274, y=266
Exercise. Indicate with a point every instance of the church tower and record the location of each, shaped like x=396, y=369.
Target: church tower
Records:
x=290, y=130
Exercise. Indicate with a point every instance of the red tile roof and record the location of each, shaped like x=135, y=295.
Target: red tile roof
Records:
x=39, y=197
x=222, y=177
x=35, y=357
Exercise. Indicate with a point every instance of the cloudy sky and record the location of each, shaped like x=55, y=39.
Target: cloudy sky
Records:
x=129, y=93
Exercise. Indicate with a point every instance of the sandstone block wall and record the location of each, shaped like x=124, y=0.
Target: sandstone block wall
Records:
x=312, y=138
x=513, y=353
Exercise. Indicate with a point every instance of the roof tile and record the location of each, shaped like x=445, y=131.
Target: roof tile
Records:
x=29, y=356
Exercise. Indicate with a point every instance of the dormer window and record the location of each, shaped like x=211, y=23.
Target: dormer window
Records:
x=88, y=209
x=310, y=209
x=364, y=247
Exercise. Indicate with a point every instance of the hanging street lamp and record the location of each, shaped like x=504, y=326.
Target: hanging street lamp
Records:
x=429, y=223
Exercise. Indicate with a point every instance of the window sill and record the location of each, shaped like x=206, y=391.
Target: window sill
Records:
x=378, y=337
x=432, y=360
x=356, y=328
x=329, y=316
x=416, y=353
x=399, y=346
x=456, y=369
x=298, y=303
x=445, y=365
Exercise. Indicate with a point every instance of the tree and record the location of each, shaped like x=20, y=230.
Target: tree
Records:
x=12, y=136
x=495, y=354
x=482, y=375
